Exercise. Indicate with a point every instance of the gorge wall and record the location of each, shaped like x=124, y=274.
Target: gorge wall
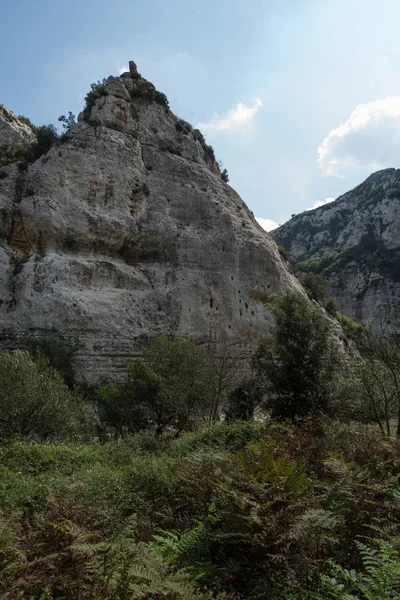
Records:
x=355, y=243
x=124, y=230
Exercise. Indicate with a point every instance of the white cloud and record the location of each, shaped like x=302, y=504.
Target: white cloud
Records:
x=122, y=69
x=267, y=224
x=369, y=138
x=319, y=203
x=181, y=54
x=236, y=119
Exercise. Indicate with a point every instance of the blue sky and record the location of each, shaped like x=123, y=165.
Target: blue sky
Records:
x=300, y=98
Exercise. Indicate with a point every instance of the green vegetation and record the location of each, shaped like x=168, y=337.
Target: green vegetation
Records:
x=246, y=511
x=171, y=387
x=138, y=492
x=36, y=403
x=208, y=150
x=283, y=252
x=331, y=307
x=67, y=122
x=316, y=286
x=299, y=368
x=97, y=90
x=46, y=137
x=183, y=127
x=224, y=175
x=145, y=89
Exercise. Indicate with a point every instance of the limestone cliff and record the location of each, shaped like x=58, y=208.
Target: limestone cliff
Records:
x=355, y=243
x=125, y=230
x=13, y=130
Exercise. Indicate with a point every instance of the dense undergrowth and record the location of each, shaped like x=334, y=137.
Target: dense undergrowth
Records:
x=235, y=510
x=138, y=489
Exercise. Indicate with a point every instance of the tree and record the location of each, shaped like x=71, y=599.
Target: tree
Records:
x=118, y=411
x=242, y=401
x=46, y=137
x=298, y=368
x=35, y=402
x=229, y=367
x=379, y=377
x=67, y=122
x=171, y=386
x=316, y=286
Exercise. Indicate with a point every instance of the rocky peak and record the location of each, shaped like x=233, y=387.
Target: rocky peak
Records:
x=14, y=130
x=125, y=230
x=355, y=243
x=132, y=105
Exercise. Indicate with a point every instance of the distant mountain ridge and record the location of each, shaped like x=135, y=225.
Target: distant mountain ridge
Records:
x=355, y=243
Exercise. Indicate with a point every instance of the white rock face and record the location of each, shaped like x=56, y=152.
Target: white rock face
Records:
x=12, y=130
x=125, y=230
x=355, y=243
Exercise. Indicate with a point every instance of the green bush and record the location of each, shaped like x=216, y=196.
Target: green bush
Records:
x=316, y=286
x=145, y=89
x=36, y=403
x=331, y=307
x=97, y=90
x=14, y=153
x=230, y=436
x=225, y=176
x=208, y=150
x=183, y=127
x=283, y=252
x=59, y=351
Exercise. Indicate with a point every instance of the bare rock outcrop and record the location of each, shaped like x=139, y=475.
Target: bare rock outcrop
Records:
x=355, y=243
x=125, y=230
x=13, y=131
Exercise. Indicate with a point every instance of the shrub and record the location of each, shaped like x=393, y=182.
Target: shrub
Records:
x=145, y=89
x=283, y=252
x=225, y=176
x=316, y=286
x=67, y=122
x=118, y=410
x=97, y=90
x=331, y=307
x=230, y=436
x=14, y=153
x=28, y=122
x=208, y=150
x=380, y=581
x=46, y=137
x=242, y=401
x=36, y=403
x=183, y=127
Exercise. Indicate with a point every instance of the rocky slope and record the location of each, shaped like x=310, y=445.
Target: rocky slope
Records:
x=125, y=230
x=13, y=130
x=355, y=243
